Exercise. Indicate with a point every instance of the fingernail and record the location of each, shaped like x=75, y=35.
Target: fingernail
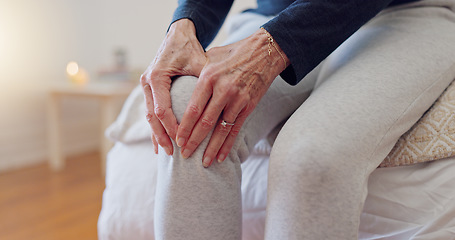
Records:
x=168, y=151
x=206, y=162
x=180, y=142
x=221, y=158
x=186, y=153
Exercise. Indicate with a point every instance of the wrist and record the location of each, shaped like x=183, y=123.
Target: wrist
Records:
x=183, y=25
x=270, y=51
x=272, y=45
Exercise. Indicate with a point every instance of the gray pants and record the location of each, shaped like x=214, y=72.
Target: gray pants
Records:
x=341, y=121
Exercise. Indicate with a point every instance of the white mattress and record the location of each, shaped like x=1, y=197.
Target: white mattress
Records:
x=413, y=202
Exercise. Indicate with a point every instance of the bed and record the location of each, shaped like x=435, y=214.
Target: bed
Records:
x=415, y=201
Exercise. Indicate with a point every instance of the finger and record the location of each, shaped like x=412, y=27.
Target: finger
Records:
x=155, y=144
x=193, y=112
x=230, y=139
x=221, y=132
x=162, y=104
x=158, y=130
x=216, y=141
x=203, y=126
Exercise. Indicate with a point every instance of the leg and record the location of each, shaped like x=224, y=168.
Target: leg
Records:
x=197, y=203
x=370, y=91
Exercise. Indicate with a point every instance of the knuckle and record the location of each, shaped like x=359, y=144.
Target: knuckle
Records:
x=194, y=110
x=224, y=92
x=149, y=117
x=235, y=131
x=160, y=112
x=232, y=91
x=210, y=74
x=207, y=123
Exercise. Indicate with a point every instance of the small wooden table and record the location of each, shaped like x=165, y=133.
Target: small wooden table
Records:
x=106, y=93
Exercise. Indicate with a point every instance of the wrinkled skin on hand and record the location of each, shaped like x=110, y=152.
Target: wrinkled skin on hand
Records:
x=179, y=54
x=232, y=80
x=230, y=86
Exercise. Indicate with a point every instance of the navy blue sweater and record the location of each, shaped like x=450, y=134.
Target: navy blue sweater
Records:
x=307, y=30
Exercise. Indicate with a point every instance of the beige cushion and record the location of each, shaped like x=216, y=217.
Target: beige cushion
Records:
x=431, y=138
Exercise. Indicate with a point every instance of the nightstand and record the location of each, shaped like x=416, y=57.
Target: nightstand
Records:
x=106, y=93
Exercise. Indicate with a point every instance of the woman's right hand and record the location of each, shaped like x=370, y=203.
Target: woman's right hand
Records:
x=180, y=54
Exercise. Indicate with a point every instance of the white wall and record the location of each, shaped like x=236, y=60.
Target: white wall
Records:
x=39, y=37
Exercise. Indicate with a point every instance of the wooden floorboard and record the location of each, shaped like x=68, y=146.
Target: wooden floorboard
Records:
x=38, y=204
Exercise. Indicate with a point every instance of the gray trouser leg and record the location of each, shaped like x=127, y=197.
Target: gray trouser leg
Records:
x=193, y=202
x=369, y=92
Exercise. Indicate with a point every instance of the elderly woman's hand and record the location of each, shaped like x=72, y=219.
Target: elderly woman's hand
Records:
x=179, y=54
x=229, y=87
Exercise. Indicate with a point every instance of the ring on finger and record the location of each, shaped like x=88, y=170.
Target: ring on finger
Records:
x=225, y=124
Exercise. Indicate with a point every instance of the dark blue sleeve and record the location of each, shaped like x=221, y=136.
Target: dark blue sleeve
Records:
x=207, y=16
x=309, y=30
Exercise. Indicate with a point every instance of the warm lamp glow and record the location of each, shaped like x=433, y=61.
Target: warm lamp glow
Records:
x=76, y=75
x=72, y=68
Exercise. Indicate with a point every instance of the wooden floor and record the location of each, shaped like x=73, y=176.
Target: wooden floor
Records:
x=37, y=204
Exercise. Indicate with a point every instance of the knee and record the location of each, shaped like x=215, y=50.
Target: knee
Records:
x=181, y=90
x=312, y=165
x=304, y=160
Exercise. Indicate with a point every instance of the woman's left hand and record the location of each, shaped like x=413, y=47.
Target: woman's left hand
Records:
x=230, y=86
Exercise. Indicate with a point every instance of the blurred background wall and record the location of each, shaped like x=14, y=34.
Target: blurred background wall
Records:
x=39, y=37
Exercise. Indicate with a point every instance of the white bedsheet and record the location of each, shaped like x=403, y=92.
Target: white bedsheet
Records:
x=413, y=202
